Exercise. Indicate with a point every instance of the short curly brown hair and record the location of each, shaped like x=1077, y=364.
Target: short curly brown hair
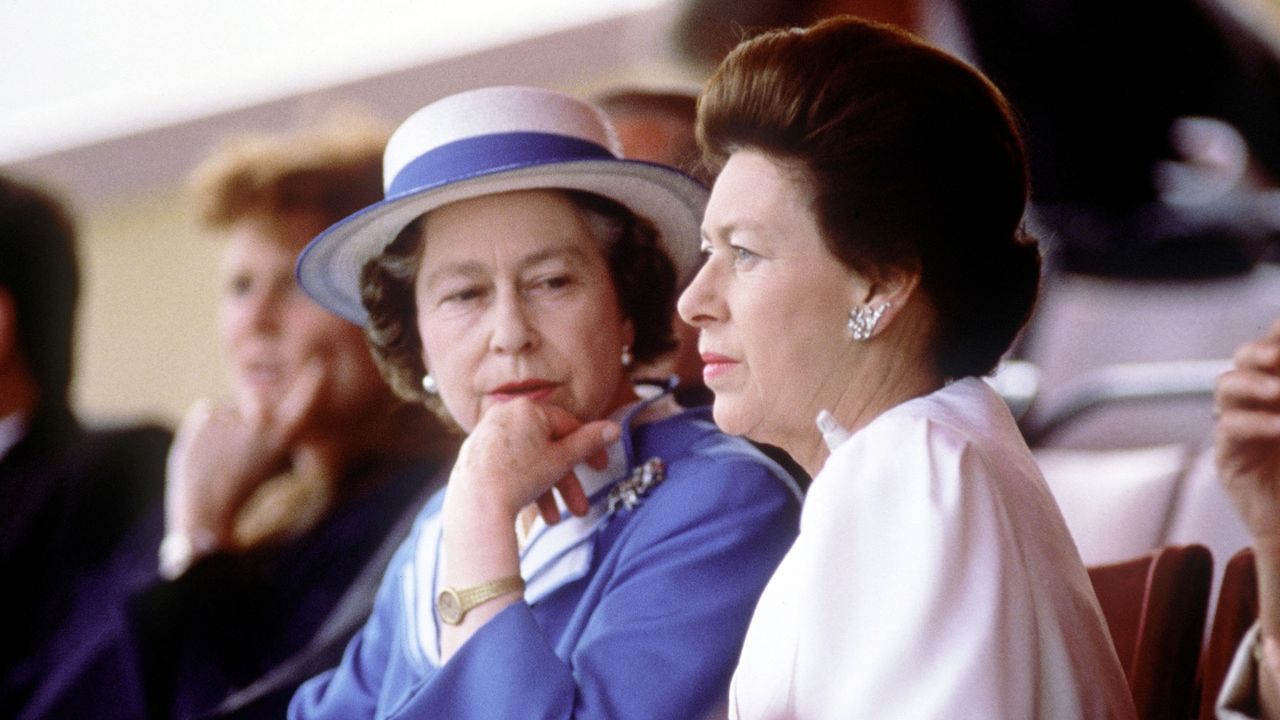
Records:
x=644, y=282
x=333, y=168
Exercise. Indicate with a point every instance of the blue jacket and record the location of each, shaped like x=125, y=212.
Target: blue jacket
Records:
x=634, y=612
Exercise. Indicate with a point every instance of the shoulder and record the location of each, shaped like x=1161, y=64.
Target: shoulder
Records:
x=960, y=440
x=709, y=474
x=697, y=453
x=137, y=451
x=962, y=417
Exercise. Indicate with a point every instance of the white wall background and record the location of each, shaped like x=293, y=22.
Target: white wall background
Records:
x=112, y=103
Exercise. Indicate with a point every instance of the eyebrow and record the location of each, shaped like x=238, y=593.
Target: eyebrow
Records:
x=727, y=229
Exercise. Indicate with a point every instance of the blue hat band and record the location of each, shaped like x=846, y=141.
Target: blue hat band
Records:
x=484, y=154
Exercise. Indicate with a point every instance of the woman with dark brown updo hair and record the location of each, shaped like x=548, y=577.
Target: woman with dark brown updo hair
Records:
x=865, y=265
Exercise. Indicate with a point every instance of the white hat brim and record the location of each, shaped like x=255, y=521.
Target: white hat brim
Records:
x=329, y=267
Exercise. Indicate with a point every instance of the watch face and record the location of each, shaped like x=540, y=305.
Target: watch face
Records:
x=448, y=606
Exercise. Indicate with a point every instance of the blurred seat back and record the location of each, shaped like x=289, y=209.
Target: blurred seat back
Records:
x=1117, y=358
x=1117, y=503
x=1155, y=609
x=1204, y=514
x=1127, y=405
x=1236, y=611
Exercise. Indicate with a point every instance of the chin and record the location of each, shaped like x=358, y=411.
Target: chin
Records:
x=729, y=416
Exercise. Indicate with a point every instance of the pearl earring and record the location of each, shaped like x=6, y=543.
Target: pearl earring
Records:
x=429, y=385
x=863, y=320
x=627, y=358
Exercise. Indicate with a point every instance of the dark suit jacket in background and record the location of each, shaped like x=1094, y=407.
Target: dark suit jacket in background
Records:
x=68, y=498
x=234, y=635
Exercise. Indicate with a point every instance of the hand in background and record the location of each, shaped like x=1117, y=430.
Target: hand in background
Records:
x=1247, y=450
x=223, y=452
x=1247, y=440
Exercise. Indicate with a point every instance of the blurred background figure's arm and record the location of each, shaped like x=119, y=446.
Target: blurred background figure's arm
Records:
x=1248, y=457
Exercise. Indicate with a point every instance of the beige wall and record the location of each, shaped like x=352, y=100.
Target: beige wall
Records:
x=146, y=344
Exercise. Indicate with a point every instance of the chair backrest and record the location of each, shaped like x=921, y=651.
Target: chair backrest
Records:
x=1155, y=608
x=1117, y=503
x=1126, y=405
x=1112, y=355
x=1236, y=612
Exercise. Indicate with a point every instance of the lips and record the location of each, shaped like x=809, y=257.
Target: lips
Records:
x=715, y=365
x=261, y=374
x=534, y=389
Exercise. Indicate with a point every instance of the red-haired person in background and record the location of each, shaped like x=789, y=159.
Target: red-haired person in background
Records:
x=283, y=501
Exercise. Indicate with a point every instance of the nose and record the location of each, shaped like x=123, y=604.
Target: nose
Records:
x=700, y=303
x=262, y=311
x=513, y=332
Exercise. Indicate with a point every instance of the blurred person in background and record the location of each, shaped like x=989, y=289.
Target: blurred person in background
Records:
x=284, y=501
x=657, y=126
x=68, y=494
x=1152, y=154
x=1247, y=449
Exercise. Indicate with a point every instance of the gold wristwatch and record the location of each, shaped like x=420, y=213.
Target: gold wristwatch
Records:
x=452, y=604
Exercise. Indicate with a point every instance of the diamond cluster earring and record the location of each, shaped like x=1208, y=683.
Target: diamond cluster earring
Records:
x=863, y=320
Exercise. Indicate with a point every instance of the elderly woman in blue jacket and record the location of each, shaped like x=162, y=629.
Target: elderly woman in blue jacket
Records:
x=595, y=554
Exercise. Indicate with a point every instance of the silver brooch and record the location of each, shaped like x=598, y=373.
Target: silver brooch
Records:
x=627, y=493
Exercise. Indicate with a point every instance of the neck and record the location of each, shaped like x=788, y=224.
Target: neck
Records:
x=398, y=432
x=854, y=409
x=625, y=395
x=890, y=370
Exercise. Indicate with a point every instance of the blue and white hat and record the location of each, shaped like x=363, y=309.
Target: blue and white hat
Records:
x=495, y=140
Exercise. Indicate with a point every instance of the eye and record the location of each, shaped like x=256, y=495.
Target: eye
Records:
x=743, y=256
x=467, y=294
x=551, y=283
x=239, y=285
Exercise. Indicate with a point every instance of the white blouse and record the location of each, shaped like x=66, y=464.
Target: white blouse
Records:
x=933, y=577
x=1238, y=699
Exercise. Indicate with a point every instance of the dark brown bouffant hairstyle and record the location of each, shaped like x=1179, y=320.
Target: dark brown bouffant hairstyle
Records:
x=39, y=270
x=912, y=159
x=644, y=280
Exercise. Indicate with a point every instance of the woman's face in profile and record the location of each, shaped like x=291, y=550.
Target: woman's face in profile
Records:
x=515, y=299
x=770, y=302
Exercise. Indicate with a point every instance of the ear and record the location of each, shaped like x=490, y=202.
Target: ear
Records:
x=8, y=327
x=893, y=288
x=628, y=332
